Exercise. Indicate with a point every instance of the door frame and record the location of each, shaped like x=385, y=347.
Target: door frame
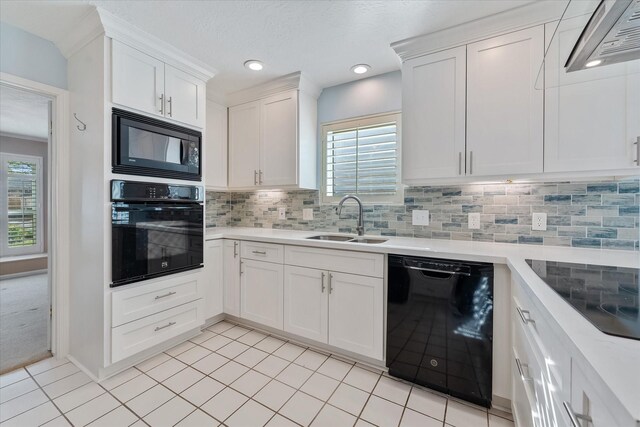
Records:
x=58, y=203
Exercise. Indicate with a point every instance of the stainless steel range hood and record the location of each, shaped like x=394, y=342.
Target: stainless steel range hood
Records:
x=612, y=35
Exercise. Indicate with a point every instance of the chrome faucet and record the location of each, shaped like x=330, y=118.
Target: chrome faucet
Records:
x=360, y=226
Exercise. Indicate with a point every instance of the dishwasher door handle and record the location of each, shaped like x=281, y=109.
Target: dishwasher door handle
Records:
x=433, y=270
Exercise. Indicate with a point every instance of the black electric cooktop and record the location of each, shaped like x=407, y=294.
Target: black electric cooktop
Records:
x=607, y=296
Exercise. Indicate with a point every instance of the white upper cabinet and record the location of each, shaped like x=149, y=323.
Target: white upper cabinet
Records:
x=138, y=79
x=215, y=147
x=278, y=148
x=273, y=135
x=433, y=98
x=185, y=97
x=504, y=109
x=244, y=144
x=147, y=84
x=592, y=117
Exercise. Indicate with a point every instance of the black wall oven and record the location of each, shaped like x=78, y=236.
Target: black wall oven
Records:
x=149, y=147
x=156, y=229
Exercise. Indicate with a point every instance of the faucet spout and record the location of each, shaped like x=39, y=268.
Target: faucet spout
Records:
x=360, y=226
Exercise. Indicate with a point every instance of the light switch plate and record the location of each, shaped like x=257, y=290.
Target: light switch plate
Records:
x=420, y=217
x=474, y=221
x=307, y=214
x=282, y=213
x=539, y=221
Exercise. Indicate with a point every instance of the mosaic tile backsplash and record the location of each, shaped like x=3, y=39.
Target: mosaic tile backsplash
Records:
x=600, y=214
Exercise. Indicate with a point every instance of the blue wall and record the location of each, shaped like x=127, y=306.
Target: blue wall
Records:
x=26, y=55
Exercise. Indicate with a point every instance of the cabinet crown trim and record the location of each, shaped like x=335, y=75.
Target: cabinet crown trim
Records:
x=510, y=20
x=100, y=22
x=292, y=81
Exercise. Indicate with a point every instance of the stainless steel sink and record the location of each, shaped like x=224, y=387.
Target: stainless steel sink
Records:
x=331, y=237
x=351, y=239
x=369, y=240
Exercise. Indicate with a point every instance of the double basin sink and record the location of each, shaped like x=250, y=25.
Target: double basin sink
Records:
x=349, y=239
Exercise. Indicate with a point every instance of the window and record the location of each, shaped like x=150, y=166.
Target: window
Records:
x=21, y=204
x=362, y=157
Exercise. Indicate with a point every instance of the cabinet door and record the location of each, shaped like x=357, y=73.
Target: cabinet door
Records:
x=356, y=313
x=433, y=109
x=215, y=147
x=214, y=278
x=279, y=141
x=232, y=277
x=185, y=97
x=261, y=298
x=591, y=116
x=137, y=79
x=504, y=109
x=244, y=144
x=306, y=302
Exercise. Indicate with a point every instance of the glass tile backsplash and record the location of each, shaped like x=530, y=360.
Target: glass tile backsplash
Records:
x=600, y=214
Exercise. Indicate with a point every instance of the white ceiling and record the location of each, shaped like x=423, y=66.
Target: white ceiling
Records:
x=23, y=114
x=320, y=38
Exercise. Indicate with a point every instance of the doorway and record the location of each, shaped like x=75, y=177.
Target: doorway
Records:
x=25, y=285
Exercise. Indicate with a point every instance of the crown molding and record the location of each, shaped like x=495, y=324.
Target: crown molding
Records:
x=291, y=81
x=100, y=22
x=536, y=13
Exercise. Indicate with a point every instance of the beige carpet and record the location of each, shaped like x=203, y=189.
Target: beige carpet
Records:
x=24, y=312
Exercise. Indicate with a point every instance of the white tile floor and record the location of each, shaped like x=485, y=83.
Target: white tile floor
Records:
x=230, y=376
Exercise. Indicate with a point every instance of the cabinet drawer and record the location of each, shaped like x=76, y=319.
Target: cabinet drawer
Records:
x=128, y=305
x=529, y=313
x=362, y=263
x=262, y=252
x=134, y=337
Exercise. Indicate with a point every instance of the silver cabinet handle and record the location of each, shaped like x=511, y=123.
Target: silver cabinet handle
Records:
x=459, y=162
x=159, y=328
x=235, y=249
x=330, y=284
x=170, y=101
x=255, y=177
x=162, y=103
x=470, y=162
x=240, y=264
x=521, y=370
x=637, y=144
x=575, y=417
x=322, y=288
x=168, y=294
x=260, y=177
x=259, y=252
x=525, y=315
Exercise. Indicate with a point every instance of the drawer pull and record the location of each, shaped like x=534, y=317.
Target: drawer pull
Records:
x=168, y=294
x=575, y=417
x=520, y=366
x=259, y=252
x=159, y=328
x=525, y=315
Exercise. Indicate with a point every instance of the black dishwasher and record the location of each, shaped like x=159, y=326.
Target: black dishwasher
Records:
x=440, y=325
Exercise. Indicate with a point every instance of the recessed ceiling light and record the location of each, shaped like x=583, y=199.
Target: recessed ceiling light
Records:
x=593, y=63
x=360, y=68
x=254, y=65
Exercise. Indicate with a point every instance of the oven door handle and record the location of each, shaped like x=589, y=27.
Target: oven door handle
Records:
x=433, y=270
x=153, y=208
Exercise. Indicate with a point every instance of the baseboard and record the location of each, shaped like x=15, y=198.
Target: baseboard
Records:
x=82, y=368
x=26, y=273
x=501, y=403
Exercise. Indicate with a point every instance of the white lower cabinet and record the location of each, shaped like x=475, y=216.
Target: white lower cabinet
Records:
x=356, y=314
x=261, y=292
x=231, y=274
x=214, y=278
x=306, y=302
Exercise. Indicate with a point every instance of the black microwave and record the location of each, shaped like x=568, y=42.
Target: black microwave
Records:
x=150, y=147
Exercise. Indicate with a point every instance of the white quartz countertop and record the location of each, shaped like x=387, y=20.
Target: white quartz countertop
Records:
x=617, y=360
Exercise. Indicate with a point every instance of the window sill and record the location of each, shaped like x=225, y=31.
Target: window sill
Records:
x=23, y=257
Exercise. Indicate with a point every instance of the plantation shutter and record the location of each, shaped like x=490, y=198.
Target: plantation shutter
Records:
x=362, y=160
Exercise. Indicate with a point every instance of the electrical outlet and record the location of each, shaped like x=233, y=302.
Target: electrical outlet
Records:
x=282, y=213
x=474, y=221
x=539, y=221
x=307, y=214
x=419, y=217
